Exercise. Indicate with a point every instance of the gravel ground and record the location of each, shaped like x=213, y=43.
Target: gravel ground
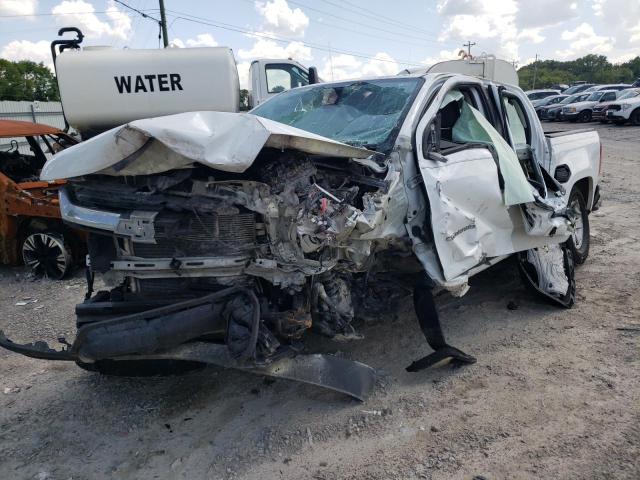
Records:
x=555, y=393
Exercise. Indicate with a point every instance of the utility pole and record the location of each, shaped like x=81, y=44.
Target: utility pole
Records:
x=469, y=44
x=535, y=72
x=163, y=25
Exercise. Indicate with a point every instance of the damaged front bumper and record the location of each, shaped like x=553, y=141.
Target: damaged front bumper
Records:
x=170, y=333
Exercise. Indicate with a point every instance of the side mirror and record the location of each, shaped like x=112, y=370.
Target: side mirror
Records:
x=313, y=75
x=431, y=138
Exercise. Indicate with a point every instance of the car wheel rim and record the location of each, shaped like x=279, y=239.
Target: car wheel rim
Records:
x=578, y=225
x=46, y=255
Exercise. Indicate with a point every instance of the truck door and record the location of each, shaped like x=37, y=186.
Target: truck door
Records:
x=477, y=189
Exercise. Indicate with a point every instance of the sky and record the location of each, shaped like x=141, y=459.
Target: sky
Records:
x=342, y=38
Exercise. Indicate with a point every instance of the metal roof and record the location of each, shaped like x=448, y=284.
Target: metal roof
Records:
x=16, y=128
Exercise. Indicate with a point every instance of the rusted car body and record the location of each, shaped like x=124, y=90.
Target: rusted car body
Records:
x=31, y=230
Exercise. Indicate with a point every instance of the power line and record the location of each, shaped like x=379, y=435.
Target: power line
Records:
x=235, y=28
x=367, y=25
x=144, y=15
x=51, y=14
x=375, y=16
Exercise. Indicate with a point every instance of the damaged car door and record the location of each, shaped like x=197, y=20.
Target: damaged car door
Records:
x=487, y=199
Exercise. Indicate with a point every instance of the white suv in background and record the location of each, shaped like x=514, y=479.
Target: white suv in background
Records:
x=582, y=111
x=627, y=110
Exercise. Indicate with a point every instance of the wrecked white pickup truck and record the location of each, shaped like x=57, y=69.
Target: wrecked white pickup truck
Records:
x=225, y=237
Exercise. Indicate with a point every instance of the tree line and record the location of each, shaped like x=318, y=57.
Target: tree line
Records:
x=26, y=80
x=590, y=68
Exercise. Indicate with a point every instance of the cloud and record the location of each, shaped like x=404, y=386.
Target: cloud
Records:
x=635, y=33
x=492, y=23
x=118, y=25
x=343, y=66
x=281, y=18
x=243, y=74
x=544, y=13
x=201, y=40
x=18, y=7
x=531, y=35
x=584, y=40
x=267, y=48
x=26, y=50
x=443, y=56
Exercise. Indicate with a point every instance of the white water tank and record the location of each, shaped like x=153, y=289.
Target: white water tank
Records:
x=101, y=88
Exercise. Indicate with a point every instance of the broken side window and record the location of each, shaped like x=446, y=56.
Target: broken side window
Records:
x=463, y=123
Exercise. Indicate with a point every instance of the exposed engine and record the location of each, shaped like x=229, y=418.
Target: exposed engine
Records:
x=295, y=229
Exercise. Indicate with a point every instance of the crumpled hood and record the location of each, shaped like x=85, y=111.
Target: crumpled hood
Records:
x=224, y=141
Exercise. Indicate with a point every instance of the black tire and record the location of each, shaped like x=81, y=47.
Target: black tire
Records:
x=634, y=118
x=585, y=116
x=579, y=242
x=47, y=254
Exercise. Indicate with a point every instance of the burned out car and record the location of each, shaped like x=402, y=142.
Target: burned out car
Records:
x=225, y=237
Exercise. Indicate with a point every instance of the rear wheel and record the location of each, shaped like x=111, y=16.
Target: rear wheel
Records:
x=579, y=241
x=585, y=116
x=47, y=254
x=635, y=117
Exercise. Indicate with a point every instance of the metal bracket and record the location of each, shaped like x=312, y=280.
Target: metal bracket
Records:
x=139, y=226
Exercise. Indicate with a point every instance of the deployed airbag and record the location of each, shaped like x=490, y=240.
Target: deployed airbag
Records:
x=470, y=127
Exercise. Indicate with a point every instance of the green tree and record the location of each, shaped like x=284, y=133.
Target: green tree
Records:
x=590, y=68
x=26, y=80
x=244, y=99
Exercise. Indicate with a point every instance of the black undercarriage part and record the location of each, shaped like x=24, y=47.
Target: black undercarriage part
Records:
x=176, y=332
x=430, y=325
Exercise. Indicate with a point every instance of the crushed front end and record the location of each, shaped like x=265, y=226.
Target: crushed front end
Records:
x=201, y=258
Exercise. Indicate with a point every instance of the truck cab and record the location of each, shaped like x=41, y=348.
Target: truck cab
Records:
x=268, y=77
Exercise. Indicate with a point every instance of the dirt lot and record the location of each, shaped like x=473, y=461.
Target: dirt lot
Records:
x=555, y=393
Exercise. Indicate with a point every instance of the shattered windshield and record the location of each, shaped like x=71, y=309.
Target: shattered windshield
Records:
x=360, y=113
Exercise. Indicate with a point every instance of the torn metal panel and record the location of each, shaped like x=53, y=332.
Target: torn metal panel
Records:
x=550, y=270
x=228, y=142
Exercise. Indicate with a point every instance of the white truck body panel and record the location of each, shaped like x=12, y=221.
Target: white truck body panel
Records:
x=580, y=151
x=106, y=87
x=487, y=67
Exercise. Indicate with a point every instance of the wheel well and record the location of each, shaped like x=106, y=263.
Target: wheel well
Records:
x=584, y=186
x=637, y=109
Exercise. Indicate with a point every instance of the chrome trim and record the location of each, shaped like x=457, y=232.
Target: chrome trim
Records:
x=138, y=226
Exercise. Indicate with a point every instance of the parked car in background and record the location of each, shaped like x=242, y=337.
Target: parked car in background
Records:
x=31, y=230
x=554, y=112
x=580, y=87
x=636, y=83
x=559, y=86
x=582, y=111
x=625, y=110
x=540, y=94
x=552, y=100
x=613, y=86
x=600, y=110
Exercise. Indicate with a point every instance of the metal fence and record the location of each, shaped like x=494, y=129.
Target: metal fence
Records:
x=49, y=113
